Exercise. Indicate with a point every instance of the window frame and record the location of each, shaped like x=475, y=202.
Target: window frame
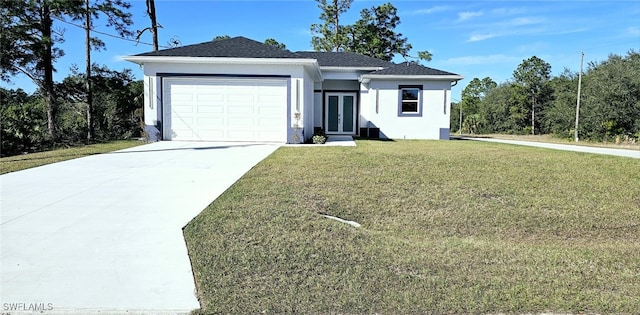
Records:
x=401, y=89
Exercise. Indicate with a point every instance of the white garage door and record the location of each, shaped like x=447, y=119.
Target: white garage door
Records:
x=207, y=109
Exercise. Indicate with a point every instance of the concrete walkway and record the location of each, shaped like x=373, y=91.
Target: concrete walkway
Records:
x=565, y=147
x=103, y=234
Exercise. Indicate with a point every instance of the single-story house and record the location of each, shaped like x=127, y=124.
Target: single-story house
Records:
x=239, y=89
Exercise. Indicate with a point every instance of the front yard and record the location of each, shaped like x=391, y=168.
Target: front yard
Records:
x=21, y=162
x=447, y=227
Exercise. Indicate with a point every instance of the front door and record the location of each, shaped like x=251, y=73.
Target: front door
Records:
x=340, y=113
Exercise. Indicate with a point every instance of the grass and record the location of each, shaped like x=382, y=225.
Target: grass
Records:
x=25, y=161
x=456, y=227
x=553, y=139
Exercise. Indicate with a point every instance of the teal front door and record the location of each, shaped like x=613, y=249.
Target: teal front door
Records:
x=340, y=113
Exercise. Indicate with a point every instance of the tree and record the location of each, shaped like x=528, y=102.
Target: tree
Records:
x=611, y=98
x=373, y=34
x=118, y=18
x=504, y=109
x=24, y=122
x=273, y=42
x=472, y=96
x=559, y=118
x=28, y=45
x=331, y=36
x=116, y=98
x=533, y=75
x=220, y=37
x=151, y=12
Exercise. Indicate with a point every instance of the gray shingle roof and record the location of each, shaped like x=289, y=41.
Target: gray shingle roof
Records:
x=236, y=47
x=241, y=47
x=410, y=68
x=344, y=59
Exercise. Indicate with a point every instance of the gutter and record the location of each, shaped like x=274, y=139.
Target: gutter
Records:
x=366, y=78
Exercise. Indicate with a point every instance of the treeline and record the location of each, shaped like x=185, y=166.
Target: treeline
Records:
x=533, y=102
x=97, y=105
x=117, y=102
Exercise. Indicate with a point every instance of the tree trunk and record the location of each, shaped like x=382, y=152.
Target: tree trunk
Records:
x=47, y=68
x=151, y=10
x=88, y=81
x=337, y=40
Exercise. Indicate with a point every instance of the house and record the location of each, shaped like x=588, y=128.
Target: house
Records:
x=239, y=89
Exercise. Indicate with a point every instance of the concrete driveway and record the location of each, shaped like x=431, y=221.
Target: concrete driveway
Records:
x=565, y=147
x=103, y=234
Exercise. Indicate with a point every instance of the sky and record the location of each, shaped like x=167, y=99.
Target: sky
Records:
x=475, y=39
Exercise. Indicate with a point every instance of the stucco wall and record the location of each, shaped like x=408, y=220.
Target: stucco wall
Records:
x=382, y=110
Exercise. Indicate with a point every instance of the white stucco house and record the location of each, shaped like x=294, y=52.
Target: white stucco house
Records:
x=239, y=89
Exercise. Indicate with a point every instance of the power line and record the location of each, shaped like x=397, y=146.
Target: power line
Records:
x=107, y=34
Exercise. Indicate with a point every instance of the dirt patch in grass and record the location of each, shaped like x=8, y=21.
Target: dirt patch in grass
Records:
x=447, y=227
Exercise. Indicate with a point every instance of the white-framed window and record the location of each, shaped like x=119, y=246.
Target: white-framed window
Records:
x=410, y=102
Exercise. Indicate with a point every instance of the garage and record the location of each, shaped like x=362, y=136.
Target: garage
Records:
x=225, y=109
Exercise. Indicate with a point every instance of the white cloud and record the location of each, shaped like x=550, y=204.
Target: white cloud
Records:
x=524, y=21
x=463, y=16
x=431, y=10
x=481, y=60
x=633, y=31
x=507, y=11
x=481, y=37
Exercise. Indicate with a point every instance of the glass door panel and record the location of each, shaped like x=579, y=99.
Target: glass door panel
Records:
x=347, y=113
x=333, y=114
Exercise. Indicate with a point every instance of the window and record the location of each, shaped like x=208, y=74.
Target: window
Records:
x=410, y=102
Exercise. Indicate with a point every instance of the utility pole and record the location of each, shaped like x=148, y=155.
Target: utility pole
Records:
x=460, y=128
x=533, y=112
x=578, y=101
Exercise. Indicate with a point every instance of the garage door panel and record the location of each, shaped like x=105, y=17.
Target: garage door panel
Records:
x=241, y=123
x=241, y=109
x=242, y=134
x=211, y=109
x=182, y=109
x=210, y=122
x=182, y=97
x=270, y=110
x=226, y=109
x=242, y=99
x=214, y=98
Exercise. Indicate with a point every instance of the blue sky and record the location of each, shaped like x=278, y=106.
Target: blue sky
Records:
x=471, y=38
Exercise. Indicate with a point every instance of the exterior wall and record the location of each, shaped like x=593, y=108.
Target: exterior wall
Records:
x=340, y=85
x=308, y=97
x=300, y=88
x=365, y=108
x=318, y=113
x=383, y=101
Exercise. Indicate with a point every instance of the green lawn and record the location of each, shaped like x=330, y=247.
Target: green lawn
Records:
x=447, y=227
x=25, y=161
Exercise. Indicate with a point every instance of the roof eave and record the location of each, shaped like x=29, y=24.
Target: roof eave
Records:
x=310, y=64
x=365, y=78
x=349, y=69
x=226, y=60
